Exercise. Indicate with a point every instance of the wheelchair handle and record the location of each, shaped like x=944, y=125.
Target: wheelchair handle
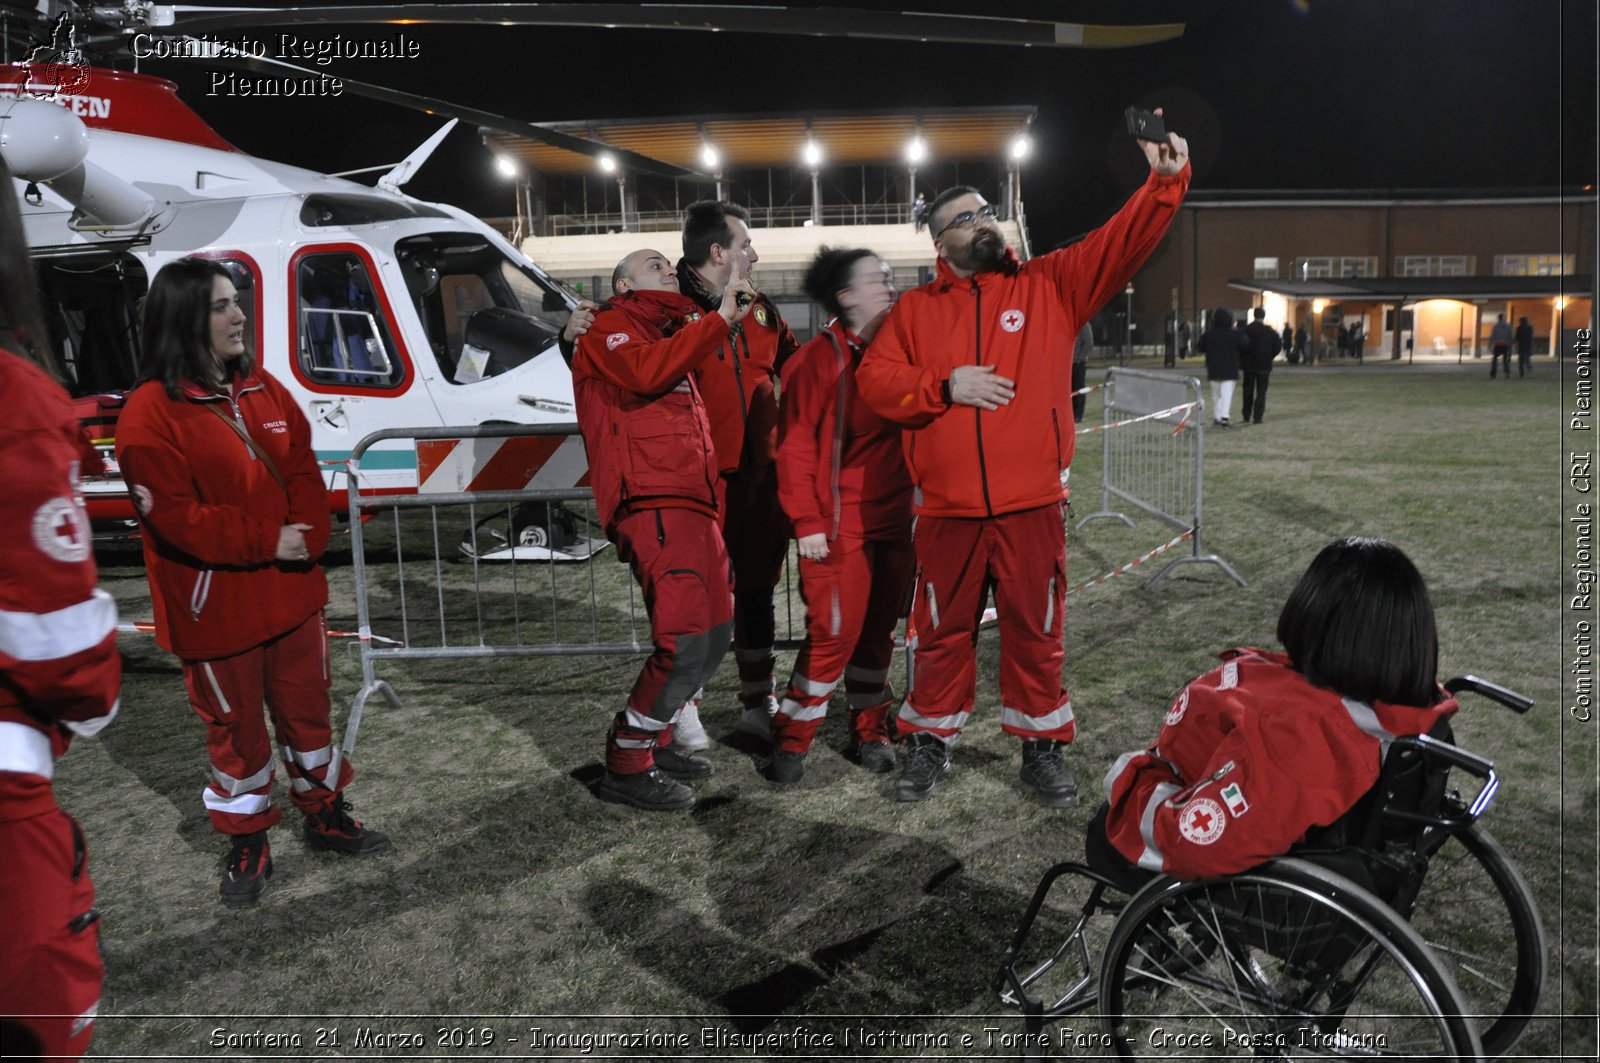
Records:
x=1433, y=749
x=1518, y=703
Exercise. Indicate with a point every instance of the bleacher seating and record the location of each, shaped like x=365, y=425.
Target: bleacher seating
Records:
x=784, y=252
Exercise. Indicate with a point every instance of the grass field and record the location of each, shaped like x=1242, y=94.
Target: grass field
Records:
x=514, y=892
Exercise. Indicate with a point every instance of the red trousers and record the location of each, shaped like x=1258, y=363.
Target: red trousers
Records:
x=678, y=558
x=289, y=674
x=1023, y=557
x=50, y=950
x=757, y=534
x=854, y=598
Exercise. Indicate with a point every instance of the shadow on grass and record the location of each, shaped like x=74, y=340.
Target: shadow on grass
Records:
x=815, y=919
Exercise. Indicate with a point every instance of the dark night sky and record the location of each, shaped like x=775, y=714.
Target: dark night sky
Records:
x=1273, y=94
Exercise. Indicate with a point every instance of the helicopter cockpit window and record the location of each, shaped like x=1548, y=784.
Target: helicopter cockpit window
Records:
x=343, y=338
x=344, y=209
x=485, y=314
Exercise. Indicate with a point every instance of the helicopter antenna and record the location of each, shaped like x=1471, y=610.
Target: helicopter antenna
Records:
x=406, y=167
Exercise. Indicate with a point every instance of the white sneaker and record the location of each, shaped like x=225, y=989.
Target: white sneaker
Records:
x=687, y=732
x=757, y=721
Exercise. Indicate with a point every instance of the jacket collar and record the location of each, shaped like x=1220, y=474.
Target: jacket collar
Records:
x=948, y=278
x=195, y=392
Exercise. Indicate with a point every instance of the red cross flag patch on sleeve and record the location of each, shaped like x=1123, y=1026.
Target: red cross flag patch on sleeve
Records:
x=1202, y=821
x=615, y=340
x=1233, y=797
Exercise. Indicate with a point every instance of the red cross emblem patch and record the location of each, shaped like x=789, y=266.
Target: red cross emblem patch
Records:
x=1202, y=821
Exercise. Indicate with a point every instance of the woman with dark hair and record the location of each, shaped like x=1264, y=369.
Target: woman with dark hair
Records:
x=1253, y=755
x=59, y=676
x=843, y=482
x=218, y=458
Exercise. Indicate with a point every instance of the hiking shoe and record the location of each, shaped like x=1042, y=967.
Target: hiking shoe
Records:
x=246, y=870
x=927, y=761
x=688, y=733
x=1044, y=770
x=650, y=790
x=334, y=830
x=681, y=765
x=785, y=768
x=877, y=756
x=757, y=719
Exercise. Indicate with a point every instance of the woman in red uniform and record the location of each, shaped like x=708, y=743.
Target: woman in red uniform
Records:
x=843, y=482
x=234, y=513
x=59, y=675
x=1256, y=753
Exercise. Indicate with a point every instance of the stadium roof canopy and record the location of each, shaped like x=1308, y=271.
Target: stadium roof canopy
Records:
x=1410, y=289
x=745, y=142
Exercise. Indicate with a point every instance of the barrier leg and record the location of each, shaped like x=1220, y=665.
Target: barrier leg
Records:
x=359, y=704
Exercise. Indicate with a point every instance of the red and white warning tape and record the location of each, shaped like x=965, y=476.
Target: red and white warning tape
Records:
x=990, y=615
x=145, y=627
x=1146, y=417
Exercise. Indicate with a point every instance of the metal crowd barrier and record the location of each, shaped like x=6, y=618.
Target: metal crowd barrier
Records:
x=1153, y=439
x=428, y=585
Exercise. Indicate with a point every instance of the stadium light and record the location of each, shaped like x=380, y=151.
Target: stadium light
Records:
x=709, y=157
x=1021, y=147
x=505, y=166
x=608, y=164
x=916, y=151
x=813, y=154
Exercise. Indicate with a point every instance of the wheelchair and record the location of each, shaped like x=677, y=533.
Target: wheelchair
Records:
x=1401, y=931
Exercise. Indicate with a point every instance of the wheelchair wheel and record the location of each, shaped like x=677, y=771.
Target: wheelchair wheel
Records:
x=1285, y=961
x=1475, y=911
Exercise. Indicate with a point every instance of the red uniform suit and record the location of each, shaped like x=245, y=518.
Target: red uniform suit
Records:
x=654, y=474
x=990, y=480
x=741, y=402
x=1250, y=757
x=248, y=628
x=841, y=474
x=59, y=675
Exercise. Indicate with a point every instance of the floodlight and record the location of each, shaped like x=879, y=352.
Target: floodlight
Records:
x=506, y=167
x=916, y=151
x=813, y=154
x=709, y=157
x=608, y=164
x=1021, y=147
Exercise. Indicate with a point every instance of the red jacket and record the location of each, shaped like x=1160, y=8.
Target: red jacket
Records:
x=643, y=423
x=211, y=514
x=59, y=669
x=1250, y=757
x=840, y=468
x=737, y=384
x=1021, y=319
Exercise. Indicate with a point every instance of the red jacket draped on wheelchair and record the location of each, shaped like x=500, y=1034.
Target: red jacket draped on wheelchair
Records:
x=1251, y=759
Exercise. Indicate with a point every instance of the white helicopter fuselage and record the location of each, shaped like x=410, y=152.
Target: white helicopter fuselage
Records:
x=376, y=310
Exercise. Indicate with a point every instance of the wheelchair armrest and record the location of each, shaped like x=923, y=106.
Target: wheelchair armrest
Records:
x=1518, y=703
x=1434, y=750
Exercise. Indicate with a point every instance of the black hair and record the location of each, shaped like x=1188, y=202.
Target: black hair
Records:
x=943, y=200
x=1261, y=312
x=177, y=328
x=1222, y=317
x=21, y=324
x=1360, y=623
x=706, y=223
x=829, y=274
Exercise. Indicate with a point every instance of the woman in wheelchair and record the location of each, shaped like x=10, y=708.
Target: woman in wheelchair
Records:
x=1257, y=753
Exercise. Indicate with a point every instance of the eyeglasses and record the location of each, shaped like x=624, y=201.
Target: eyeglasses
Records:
x=968, y=218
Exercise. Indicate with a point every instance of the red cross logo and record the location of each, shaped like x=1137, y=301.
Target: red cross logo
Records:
x=1200, y=822
x=66, y=528
x=1204, y=822
x=1011, y=320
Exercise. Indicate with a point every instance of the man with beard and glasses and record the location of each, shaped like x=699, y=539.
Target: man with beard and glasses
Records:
x=976, y=368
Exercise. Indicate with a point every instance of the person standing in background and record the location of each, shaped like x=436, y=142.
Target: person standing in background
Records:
x=1224, y=346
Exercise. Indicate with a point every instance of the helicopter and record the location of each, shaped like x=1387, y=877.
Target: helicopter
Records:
x=374, y=308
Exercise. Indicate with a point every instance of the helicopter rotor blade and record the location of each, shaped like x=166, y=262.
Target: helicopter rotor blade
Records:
x=630, y=160
x=776, y=19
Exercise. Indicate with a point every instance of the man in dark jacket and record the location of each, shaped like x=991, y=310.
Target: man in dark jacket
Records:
x=653, y=472
x=1223, y=347
x=741, y=400
x=1257, y=365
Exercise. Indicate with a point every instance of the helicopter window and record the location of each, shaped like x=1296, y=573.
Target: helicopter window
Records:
x=484, y=313
x=346, y=209
x=90, y=307
x=343, y=338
